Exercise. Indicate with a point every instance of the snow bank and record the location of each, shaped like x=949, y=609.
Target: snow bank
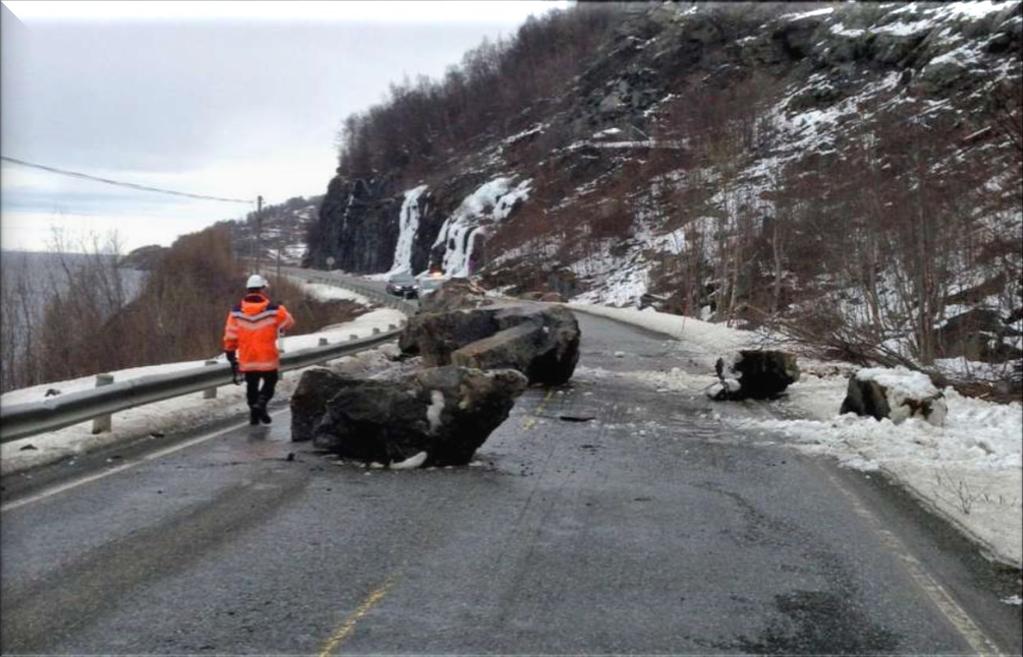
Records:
x=322, y=292
x=178, y=414
x=714, y=340
x=969, y=471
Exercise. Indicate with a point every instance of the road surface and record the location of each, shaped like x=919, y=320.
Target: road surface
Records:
x=601, y=517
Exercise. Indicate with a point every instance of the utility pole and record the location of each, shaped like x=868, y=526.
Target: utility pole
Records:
x=280, y=238
x=259, y=233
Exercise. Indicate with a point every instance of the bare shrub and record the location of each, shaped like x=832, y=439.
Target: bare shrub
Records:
x=88, y=291
x=19, y=321
x=181, y=312
x=89, y=326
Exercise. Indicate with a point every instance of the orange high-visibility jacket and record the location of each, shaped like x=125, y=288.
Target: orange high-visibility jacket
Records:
x=251, y=330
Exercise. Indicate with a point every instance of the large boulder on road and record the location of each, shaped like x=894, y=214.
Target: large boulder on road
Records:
x=755, y=374
x=896, y=394
x=544, y=345
x=434, y=336
x=309, y=401
x=446, y=412
x=452, y=295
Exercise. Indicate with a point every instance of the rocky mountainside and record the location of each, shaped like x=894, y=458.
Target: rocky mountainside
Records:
x=278, y=228
x=851, y=169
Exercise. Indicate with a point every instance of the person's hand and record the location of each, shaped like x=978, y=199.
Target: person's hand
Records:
x=233, y=359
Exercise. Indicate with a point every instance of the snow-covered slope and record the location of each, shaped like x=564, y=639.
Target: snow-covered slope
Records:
x=853, y=168
x=280, y=228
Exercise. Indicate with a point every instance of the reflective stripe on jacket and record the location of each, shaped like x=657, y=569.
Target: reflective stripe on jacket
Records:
x=252, y=329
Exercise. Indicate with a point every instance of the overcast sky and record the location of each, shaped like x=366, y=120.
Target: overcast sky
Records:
x=227, y=99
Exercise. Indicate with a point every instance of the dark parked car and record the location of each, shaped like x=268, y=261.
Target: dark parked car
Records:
x=403, y=285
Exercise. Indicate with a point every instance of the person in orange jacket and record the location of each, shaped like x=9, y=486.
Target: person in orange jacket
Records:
x=250, y=342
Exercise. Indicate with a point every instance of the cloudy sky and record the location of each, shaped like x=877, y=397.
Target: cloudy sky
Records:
x=226, y=99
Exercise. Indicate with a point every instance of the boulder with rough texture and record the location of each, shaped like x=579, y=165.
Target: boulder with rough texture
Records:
x=434, y=336
x=309, y=401
x=545, y=348
x=896, y=394
x=318, y=384
x=446, y=412
x=755, y=374
x=452, y=295
x=978, y=334
x=544, y=344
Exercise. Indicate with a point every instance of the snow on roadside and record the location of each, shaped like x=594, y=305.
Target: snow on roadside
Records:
x=177, y=414
x=323, y=292
x=712, y=340
x=969, y=471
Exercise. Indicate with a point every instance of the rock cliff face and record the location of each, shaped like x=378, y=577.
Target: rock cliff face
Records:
x=360, y=223
x=357, y=226
x=731, y=156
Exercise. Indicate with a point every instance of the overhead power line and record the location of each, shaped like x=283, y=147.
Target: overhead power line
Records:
x=145, y=188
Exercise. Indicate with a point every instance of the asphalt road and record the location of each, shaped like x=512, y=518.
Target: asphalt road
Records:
x=602, y=517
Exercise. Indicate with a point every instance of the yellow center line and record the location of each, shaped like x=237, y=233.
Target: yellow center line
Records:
x=530, y=421
x=348, y=626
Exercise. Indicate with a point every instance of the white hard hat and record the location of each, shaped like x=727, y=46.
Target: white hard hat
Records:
x=256, y=281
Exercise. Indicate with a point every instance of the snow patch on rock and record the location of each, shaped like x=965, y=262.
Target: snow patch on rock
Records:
x=434, y=409
x=902, y=385
x=411, y=462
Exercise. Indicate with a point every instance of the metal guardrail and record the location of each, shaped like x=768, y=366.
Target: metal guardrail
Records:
x=27, y=419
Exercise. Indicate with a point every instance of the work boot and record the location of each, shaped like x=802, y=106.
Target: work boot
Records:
x=253, y=415
x=261, y=413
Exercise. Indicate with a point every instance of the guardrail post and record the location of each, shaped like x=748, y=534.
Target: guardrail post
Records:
x=323, y=342
x=103, y=423
x=392, y=327
x=376, y=330
x=210, y=393
x=352, y=336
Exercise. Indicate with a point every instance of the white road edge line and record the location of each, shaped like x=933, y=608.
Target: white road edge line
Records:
x=125, y=466
x=937, y=594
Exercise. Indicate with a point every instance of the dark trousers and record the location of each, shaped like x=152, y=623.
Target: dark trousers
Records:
x=255, y=395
